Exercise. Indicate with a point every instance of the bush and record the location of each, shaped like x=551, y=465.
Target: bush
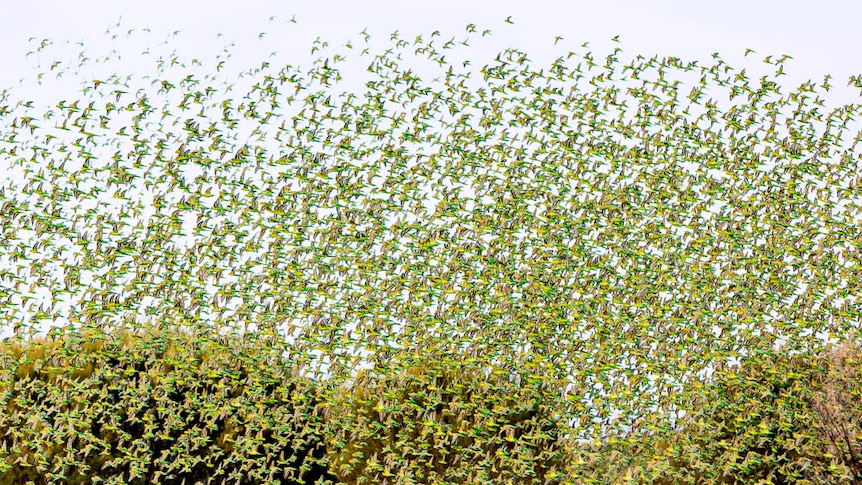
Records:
x=155, y=407
x=439, y=421
x=759, y=425
x=838, y=408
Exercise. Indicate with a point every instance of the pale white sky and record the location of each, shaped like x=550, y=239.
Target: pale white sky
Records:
x=821, y=39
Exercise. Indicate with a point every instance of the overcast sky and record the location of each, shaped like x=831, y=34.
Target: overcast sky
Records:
x=821, y=37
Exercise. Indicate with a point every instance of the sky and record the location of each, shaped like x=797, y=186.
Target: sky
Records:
x=820, y=40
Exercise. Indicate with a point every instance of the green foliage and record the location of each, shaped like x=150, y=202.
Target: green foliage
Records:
x=434, y=419
x=154, y=407
x=756, y=424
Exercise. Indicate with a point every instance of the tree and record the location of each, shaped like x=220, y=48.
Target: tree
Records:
x=439, y=419
x=156, y=406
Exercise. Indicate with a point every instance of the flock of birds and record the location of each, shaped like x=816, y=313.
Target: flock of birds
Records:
x=615, y=241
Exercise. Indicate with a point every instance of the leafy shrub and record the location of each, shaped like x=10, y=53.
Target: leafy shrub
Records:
x=155, y=407
x=754, y=425
x=439, y=421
